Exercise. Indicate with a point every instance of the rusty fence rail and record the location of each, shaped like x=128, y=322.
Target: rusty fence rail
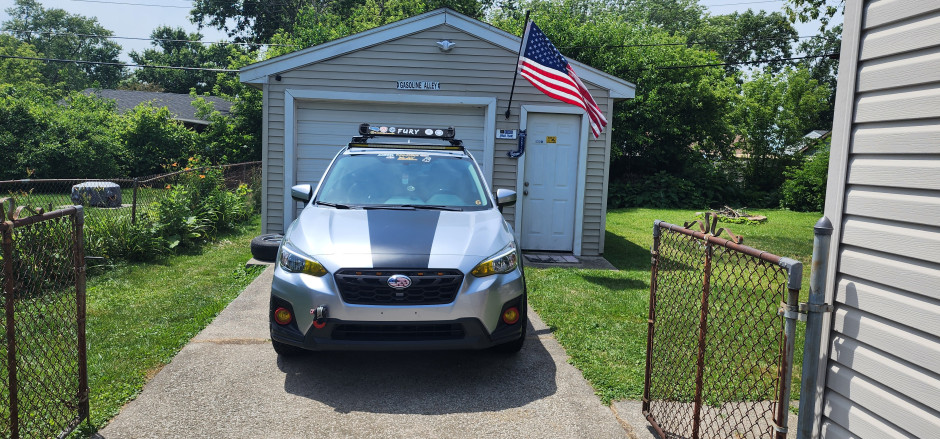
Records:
x=719, y=353
x=43, y=367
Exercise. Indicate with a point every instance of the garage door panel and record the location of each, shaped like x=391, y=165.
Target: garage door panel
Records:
x=325, y=127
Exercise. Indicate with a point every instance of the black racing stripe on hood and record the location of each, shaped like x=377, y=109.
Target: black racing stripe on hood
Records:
x=402, y=238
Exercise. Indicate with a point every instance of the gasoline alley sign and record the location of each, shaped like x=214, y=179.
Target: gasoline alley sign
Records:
x=419, y=85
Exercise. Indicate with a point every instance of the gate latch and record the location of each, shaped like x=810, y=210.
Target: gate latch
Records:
x=800, y=312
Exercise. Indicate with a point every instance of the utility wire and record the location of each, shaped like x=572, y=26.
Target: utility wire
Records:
x=133, y=4
x=760, y=61
x=143, y=38
x=117, y=64
x=694, y=43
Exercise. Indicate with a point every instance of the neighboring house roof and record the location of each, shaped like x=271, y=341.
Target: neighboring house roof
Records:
x=179, y=105
x=812, y=139
x=258, y=72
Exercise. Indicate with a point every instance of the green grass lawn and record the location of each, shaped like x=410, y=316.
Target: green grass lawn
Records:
x=600, y=316
x=141, y=315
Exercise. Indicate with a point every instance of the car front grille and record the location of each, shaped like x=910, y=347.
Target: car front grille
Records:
x=398, y=332
x=370, y=287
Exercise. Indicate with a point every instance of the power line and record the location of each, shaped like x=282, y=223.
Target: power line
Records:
x=760, y=61
x=117, y=64
x=144, y=39
x=132, y=4
x=694, y=43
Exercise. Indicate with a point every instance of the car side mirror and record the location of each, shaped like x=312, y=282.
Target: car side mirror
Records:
x=505, y=197
x=301, y=192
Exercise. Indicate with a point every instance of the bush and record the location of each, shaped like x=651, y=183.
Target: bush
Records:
x=805, y=187
x=153, y=138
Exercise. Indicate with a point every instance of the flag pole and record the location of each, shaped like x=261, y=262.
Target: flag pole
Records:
x=516, y=74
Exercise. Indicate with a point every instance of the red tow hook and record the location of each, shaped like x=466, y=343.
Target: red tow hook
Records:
x=319, y=316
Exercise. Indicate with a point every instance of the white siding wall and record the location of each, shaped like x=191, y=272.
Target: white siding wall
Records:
x=473, y=68
x=883, y=370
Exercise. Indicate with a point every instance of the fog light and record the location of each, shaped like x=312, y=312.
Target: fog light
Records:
x=511, y=315
x=282, y=316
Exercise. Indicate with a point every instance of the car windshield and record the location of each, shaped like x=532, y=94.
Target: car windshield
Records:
x=412, y=180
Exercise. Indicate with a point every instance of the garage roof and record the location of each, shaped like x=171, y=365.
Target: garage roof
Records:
x=257, y=73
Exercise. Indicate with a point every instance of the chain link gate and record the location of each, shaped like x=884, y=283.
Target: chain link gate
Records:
x=719, y=356
x=43, y=368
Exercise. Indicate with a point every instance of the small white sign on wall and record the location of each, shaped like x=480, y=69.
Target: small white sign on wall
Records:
x=419, y=85
x=506, y=134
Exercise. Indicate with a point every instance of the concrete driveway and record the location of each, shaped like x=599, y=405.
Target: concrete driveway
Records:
x=229, y=383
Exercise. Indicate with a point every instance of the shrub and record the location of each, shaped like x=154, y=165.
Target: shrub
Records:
x=805, y=187
x=152, y=139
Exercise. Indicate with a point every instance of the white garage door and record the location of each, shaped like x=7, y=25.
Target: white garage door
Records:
x=325, y=127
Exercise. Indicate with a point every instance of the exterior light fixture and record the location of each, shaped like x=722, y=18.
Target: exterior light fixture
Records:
x=446, y=45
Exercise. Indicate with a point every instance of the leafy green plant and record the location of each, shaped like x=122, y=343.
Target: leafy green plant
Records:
x=805, y=187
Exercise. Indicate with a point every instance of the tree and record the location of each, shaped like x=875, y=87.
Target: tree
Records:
x=257, y=21
x=174, y=47
x=748, y=36
x=823, y=66
x=808, y=10
x=153, y=139
x=18, y=71
x=774, y=114
x=55, y=33
x=673, y=16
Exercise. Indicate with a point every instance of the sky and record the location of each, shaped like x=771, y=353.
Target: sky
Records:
x=137, y=21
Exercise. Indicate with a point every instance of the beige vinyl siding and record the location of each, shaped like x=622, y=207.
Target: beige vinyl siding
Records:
x=473, y=68
x=883, y=370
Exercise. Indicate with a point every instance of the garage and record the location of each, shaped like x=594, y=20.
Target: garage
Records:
x=442, y=69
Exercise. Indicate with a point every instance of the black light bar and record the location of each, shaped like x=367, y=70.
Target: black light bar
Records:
x=372, y=131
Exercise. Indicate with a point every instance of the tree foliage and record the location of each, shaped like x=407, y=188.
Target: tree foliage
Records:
x=774, y=114
x=746, y=37
x=175, y=47
x=258, y=21
x=55, y=33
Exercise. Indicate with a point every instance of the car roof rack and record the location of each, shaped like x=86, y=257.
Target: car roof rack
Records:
x=368, y=132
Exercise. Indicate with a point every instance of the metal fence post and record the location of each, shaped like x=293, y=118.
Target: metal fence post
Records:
x=134, y=204
x=792, y=315
x=816, y=306
x=702, y=328
x=78, y=227
x=7, y=230
x=652, y=318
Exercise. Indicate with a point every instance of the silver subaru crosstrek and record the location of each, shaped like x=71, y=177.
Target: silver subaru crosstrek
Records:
x=401, y=246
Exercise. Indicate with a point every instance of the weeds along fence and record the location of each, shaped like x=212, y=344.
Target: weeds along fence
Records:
x=115, y=205
x=43, y=367
x=719, y=352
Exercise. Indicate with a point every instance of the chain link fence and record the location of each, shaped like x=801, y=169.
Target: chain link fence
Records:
x=718, y=352
x=112, y=205
x=43, y=367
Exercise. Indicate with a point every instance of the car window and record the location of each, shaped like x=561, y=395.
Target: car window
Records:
x=394, y=179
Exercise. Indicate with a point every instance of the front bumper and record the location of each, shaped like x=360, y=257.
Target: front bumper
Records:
x=471, y=321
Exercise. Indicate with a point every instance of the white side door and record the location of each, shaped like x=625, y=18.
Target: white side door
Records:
x=551, y=181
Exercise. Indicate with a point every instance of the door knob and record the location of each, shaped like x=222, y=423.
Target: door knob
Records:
x=525, y=192
x=526, y=184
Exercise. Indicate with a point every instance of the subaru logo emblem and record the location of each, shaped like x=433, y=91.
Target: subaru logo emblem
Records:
x=399, y=281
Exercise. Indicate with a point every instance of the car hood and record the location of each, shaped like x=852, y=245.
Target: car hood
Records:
x=384, y=238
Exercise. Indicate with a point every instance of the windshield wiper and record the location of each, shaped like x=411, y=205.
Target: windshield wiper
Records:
x=433, y=207
x=333, y=205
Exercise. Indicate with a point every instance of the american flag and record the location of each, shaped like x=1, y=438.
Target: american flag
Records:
x=542, y=64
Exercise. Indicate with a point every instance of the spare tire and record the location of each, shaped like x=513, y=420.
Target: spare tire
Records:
x=264, y=247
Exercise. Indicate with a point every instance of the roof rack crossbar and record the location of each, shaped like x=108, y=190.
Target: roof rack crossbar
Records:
x=368, y=131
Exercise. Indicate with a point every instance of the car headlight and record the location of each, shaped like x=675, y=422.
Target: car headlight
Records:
x=502, y=262
x=295, y=261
